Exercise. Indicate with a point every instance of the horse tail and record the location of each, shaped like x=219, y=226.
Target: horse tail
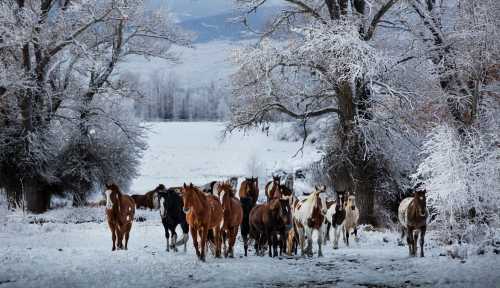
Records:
x=185, y=237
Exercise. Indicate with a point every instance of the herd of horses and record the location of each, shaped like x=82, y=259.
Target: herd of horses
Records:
x=213, y=214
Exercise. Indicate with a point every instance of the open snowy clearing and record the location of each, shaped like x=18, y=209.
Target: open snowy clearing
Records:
x=197, y=152
x=71, y=247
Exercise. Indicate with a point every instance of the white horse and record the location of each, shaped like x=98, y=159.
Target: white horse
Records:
x=309, y=215
x=351, y=219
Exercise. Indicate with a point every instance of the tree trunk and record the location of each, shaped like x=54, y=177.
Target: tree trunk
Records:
x=37, y=195
x=355, y=173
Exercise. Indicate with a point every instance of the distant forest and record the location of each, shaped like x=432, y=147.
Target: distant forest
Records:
x=163, y=98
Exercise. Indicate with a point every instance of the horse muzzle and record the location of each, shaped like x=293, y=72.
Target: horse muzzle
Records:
x=185, y=210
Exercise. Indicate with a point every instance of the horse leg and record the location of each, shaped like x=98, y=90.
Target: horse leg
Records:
x=185, y=236
x=174, y=240
x=127, y=234
x=245, y=243
x=232, y=240
x=422, y=235
x=113, y=237
x=309, y=249
x=356, y=233
x=194, y=235
x=415, y=241
x=409, y=240
x=225, y=234
x=204, y=234
x=327, y=233
x=302, y=241
x=120, y=238
x=167, y=238
x=218, y=242
x=320, y=240
x=336, y=236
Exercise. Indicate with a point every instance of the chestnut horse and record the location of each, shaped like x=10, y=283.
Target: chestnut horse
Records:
x=412, y=214
x=120, y=211
x=233, y=216
x=250, y=189
x=273, y=189
x=204, y=212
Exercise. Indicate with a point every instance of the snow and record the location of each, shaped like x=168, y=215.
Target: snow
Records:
x=196, y=152
x=79, y=255
x=71, y=247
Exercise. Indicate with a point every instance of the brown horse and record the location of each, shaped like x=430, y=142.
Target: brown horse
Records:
x=273, y=189
x=250, y=189
x=120, y=211
x=204, y=212
x=412, y=214
x=267, y=221
x=233, y=216
x=150, y=199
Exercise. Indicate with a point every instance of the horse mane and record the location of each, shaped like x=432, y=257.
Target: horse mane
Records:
x=226, y=186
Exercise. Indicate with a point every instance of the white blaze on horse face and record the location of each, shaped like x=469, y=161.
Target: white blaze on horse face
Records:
x=221, y=195
x=109, y=204
x=162, y=207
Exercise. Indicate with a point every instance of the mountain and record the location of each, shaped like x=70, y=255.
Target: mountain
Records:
x=222, y=26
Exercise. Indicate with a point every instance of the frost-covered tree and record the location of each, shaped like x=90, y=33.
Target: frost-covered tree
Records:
x=329, y=66
x=64, y=54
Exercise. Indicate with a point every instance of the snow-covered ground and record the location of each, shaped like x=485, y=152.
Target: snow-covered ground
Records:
x=71, y=247
x=196, y=152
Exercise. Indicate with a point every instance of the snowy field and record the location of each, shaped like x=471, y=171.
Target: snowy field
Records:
x=198, y=153
x=72, y=247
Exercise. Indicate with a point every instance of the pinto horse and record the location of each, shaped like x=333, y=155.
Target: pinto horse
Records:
x=309, y=215
x=170, y=203
x=203, y=213
x=120, y=211
x=412, y=214
x=273, y=189
x=233, y=216
x=266, y=221
x=336, y=214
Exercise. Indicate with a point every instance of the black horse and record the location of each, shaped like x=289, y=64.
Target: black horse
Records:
x=172, y=215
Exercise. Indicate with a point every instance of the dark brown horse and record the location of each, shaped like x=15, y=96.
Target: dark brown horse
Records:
x=412, y=214
x=273, y=189
x=267, y=221
x=249, y=193
x=233, y=216
x=120, y=211
x=250, y=189
x=204, y=212
x=150, y=199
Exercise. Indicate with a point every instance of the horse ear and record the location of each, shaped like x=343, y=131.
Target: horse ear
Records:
x=184, y=185
x=190, y=185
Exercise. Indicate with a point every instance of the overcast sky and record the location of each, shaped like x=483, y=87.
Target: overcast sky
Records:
x=200, y=8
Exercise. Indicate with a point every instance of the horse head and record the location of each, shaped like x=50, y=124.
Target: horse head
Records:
x=351, y=202
x=223, y=189
x=188, y=194
x=421, y=202
x=340, y=203
x=113, y=195
x=282, y=209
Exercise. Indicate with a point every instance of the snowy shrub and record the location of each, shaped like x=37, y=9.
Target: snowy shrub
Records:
x=461, y=175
